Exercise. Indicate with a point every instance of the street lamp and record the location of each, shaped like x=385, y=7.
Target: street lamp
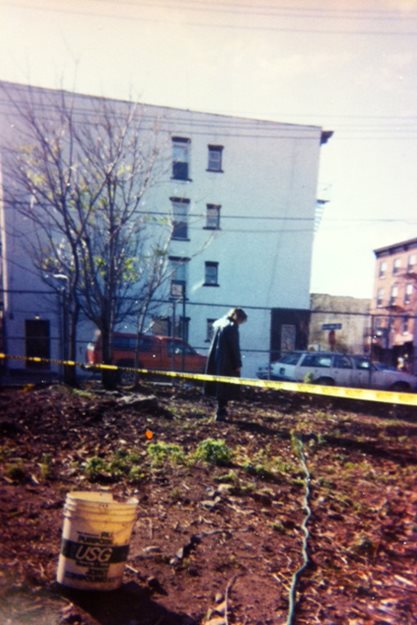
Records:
x=178, y=294
x=61, y=277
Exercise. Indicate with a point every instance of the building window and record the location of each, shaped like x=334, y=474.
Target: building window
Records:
x=408, y=296
x=380, y=298
x=215, y=153
x=211, y=274
x=394, y=295
x=383, y=269
x=213, y=217
x=178, y=271
x=180, y=158
x=209, y=330
x=396, y=267
x=180, y=209
x=412, y=261
x=379, y=322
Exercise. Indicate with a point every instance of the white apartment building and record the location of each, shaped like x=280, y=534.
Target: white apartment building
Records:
x=243, y=196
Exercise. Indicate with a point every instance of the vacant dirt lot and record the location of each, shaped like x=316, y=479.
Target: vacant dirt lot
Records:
x=290, y=498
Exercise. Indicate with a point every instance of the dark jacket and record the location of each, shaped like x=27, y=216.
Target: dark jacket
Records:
x=224, y=358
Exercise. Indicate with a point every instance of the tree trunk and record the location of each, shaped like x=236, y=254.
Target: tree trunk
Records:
x=70, y=371
x=109, y=378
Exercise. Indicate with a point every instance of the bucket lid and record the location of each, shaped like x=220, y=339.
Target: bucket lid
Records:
x=97, y=497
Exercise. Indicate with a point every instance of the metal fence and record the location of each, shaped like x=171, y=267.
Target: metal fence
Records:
x=386, y=336
x=32, y=323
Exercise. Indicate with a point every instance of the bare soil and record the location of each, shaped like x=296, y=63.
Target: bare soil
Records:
x=308, y=515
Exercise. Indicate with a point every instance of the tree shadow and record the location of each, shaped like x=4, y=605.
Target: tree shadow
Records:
x=127, y=605
x=401, y=455
x=258, y=428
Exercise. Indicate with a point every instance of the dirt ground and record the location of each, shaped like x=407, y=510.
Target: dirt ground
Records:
x=293, y=510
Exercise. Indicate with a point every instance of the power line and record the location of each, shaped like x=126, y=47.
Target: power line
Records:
x=252, y=28
x=271, y=10
x=285, y=218
x=402, y=127
x=251, y=9
x=173, y=118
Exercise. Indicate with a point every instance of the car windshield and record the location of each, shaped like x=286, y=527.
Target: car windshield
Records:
x=290, y=359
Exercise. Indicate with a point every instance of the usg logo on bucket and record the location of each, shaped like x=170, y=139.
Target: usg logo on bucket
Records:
x=97, y=555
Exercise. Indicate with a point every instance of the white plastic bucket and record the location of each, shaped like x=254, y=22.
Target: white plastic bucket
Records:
x=95, y=540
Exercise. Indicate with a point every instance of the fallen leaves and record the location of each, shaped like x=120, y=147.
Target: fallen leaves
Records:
x=213, y=543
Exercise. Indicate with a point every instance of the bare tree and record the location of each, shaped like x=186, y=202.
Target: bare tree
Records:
x=78, y=172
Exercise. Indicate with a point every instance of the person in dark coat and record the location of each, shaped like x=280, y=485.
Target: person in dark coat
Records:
x=224, y=358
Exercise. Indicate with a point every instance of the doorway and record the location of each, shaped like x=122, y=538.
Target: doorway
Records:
x=37, y=341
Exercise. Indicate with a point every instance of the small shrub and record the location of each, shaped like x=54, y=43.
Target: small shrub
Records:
x=165, y=452
x=122, y=463
x=213, y=452
x=136, y=474
x=95, y=467
x=264, y=465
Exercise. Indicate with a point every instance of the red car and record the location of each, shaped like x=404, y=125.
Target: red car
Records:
x=163, y=353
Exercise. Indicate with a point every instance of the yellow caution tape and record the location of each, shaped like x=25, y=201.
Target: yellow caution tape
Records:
x=389, y=397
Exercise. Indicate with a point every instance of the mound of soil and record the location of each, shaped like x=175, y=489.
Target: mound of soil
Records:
x=290, y=511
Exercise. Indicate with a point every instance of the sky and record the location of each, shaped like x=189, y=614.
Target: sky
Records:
x=347, y=66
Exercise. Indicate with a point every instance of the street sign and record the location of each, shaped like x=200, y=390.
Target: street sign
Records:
x=331, y=326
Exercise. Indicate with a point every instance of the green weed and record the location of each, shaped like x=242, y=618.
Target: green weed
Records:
x=258, y=470
x=45, y=467
x=279, y=527
x=121, y=464
x=228, y=478
x=214, y=452
x=161, y=452
x=95, y=467
x=136, y=474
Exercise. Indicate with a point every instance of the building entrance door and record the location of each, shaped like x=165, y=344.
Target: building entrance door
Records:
x=37, y=340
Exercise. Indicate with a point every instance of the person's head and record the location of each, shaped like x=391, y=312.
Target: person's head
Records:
x=237, y=315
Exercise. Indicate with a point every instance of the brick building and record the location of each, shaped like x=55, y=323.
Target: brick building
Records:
x=394, y=303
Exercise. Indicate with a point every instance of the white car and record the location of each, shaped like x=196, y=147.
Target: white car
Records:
x=334, y=369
